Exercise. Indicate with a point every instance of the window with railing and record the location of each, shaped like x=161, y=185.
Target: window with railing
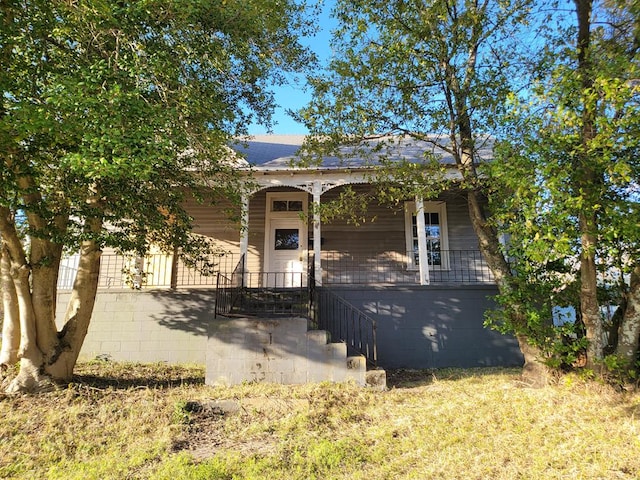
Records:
x=435, y=224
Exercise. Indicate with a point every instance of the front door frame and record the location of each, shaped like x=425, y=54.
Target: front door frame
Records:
x=273, y=217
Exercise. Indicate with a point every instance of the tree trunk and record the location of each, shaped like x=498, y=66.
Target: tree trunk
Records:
x=45, y=354
x=10, y=324
x=79, y=310
x=534, y=372
x=589, y=306
x=31, y=358
x=44, y=259
x=629, y=331
x=585, y=174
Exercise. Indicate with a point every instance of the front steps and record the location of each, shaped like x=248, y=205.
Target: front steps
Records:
x=277, y=350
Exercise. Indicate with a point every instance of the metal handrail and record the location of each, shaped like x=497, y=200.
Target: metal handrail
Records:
x=228, y=289
x=346, y=323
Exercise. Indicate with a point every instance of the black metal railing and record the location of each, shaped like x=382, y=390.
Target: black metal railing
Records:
x=152, y=271
x=338, y=268
x=229, y=289
x=346, y=323
x=276, y=294
x=445, y=266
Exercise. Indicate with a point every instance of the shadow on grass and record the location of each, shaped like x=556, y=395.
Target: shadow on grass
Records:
x=122, y=376
x=95, y=381
x=407, y=378
x=116, y=375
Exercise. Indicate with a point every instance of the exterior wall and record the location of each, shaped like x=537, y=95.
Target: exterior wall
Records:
x=148, y=326
x=219, y=221
x=214, y=222
x=375, y=252
x=433, y=327
x=178, y=327
x=461, y=234
x=384, y=231
x=417, y=327
x=383, y=234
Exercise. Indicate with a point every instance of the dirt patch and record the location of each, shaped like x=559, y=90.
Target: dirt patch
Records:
x=407, y=378
x=206, y=430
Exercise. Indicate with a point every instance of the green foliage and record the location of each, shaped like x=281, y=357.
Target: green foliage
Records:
x=120, y=111
x=566, y=349
x=350, y=204
x=569, y=167
x=394, y=62
x=181, y=413
x=619, y=372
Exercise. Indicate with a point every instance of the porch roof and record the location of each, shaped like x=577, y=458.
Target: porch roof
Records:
x=280, y=152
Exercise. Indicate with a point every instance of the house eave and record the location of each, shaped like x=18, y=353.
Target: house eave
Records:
x=329, y=177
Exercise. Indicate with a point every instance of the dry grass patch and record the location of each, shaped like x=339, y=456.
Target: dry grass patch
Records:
x=155, y=421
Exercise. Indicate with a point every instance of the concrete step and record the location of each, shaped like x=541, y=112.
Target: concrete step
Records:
x=376, y=379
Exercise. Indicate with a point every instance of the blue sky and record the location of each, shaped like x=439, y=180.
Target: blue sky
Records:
x=294, y=97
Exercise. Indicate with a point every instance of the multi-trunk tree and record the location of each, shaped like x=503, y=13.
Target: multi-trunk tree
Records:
x=111, y=113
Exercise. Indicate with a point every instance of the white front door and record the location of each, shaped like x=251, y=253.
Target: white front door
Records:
x=285, y=240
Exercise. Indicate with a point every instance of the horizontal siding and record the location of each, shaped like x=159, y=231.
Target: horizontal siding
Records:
x=257, y=205
x=377, y=244
x=214, y=221
x=382, y=230
x=461, y=234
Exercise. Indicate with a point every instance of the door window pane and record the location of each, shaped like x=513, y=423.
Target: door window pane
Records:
x=295, y=205
x=279, y=206
x=286, y=239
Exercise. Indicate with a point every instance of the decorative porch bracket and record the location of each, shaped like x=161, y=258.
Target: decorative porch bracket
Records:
x=315, y=183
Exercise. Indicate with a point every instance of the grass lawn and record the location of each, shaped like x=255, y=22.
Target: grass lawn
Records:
x=120, y=421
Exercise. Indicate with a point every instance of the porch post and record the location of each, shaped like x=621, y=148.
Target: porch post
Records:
x=244, y=230
x=423, y=255
x=317, y=246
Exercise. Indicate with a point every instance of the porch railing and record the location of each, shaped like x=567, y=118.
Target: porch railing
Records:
x=155, y=270
x=346, y=323
x=275, y=294
x=445, y=267
x=165, y=271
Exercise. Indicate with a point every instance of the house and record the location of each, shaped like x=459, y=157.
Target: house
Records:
x=406, y=290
